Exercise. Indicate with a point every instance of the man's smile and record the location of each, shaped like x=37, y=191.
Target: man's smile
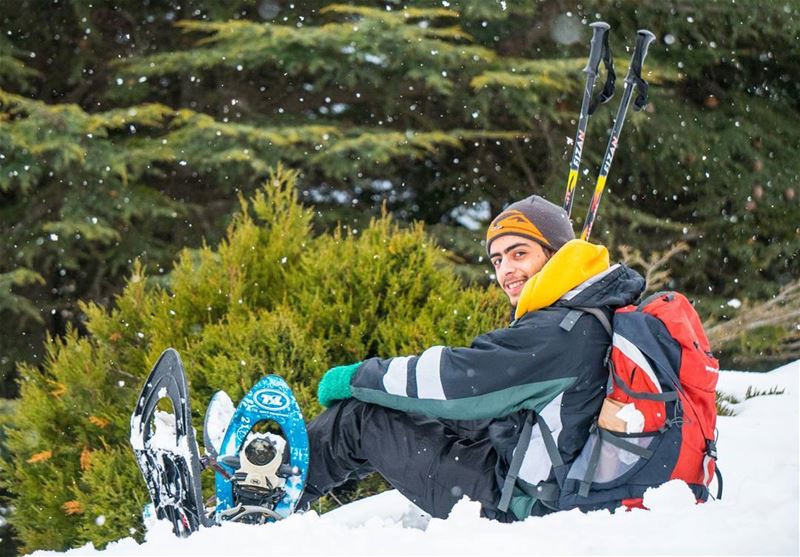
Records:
x=514, y=286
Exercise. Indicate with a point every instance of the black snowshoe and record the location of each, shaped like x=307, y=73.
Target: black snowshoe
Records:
x=170, y=463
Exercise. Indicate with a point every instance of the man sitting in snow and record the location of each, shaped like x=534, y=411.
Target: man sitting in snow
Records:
x=468, y=421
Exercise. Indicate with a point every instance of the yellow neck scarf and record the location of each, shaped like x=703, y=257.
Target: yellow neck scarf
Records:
x=574, y=263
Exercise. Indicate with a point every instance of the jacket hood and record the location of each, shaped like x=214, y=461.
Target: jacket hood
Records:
x=579, y=274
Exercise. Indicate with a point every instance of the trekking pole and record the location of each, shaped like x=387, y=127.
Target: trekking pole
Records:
x=633, y=79
x=599, y=50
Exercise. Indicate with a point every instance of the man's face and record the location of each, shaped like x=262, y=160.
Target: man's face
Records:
x=515, y=260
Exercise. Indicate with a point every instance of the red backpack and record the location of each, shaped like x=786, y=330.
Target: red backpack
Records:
x=659, y=361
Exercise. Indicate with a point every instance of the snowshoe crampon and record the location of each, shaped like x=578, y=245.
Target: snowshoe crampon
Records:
x=259, y=483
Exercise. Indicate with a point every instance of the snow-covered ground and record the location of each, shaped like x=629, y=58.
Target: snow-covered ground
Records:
x=758, y=514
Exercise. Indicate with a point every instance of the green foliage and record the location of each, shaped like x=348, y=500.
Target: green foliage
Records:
x=87, y=190
x=131, y=138
x=761, y=341
x=367, y=35
x=761, y=348
x=71, y=200
x=715, y=150
x=122, y=140
x=724, y=402
x=7, y=408
x=106, y=513
x=12, y=70
x=15, y=304
x=729, y=189
x=271, y=298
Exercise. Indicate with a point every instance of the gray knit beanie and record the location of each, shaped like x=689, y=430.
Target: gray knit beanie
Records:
x=536, y=218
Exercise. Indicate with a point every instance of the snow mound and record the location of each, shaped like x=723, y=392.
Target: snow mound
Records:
x=758, y=514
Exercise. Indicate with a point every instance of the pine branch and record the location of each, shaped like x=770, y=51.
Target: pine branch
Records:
x=16, y=304
x=13, y=70
x=656, y=276
x=350, y=52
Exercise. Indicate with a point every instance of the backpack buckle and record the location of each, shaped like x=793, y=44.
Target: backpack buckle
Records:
x=711, y=448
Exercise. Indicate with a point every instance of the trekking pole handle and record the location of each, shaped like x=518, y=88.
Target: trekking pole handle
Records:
x=599, y=32
x=643, y=40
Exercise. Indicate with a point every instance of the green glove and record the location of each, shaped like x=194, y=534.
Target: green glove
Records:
x=335, y=384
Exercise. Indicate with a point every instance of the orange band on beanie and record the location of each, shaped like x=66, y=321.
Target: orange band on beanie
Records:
x=514, y=222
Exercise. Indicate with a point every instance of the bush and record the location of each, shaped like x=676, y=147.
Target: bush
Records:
x=271, y=298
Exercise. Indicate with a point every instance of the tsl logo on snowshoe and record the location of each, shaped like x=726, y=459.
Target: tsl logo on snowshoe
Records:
x=271, y=400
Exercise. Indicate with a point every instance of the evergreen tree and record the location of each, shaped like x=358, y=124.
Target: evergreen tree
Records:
x=443, y=113
x=123, y=138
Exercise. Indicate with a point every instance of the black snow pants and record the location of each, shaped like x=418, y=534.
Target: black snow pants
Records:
x=431, y=462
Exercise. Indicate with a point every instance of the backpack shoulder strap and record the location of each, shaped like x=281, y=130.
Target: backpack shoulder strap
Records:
x=669, y=294
x=572, y=317
x=516, y=464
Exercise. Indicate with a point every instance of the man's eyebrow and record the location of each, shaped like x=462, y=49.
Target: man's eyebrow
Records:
x=509, y=248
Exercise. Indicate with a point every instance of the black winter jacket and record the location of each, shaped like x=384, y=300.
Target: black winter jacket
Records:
x=546, y=367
